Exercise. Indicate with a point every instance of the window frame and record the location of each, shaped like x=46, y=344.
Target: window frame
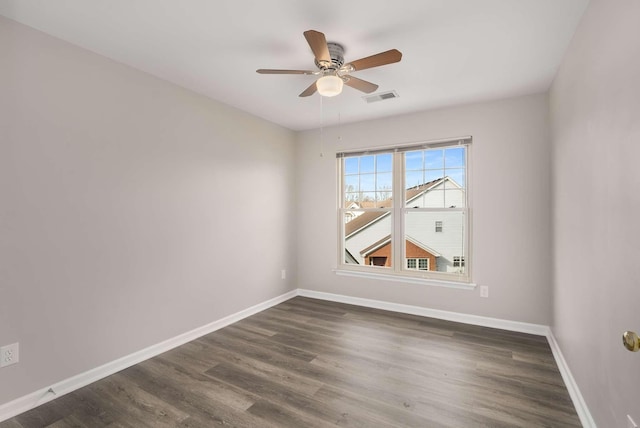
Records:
x=400, y=271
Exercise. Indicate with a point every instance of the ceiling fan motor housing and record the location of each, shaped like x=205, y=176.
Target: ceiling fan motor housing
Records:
x=336, y=51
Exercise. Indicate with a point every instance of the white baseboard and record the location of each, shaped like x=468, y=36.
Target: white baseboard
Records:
x=522, y=327
x=34, y=399
x=574, y=392
x=537, y=329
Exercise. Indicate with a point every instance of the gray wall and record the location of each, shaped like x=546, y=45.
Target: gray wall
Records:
x=510, y=206
x=595, y=106
x=131, y=210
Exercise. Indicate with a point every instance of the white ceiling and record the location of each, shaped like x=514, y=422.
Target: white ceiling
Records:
x=454, y=51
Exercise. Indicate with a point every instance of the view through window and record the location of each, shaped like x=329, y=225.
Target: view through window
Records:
x=408, y=204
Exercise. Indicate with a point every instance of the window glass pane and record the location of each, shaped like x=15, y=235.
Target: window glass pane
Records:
x=431, y=175
x=434, y=159
x=413, y=160
x=351, y=183
x=368, y=180
x=351, y=165
x=458, y=176
x=414, y=178
x=367, y=238
x=427, y=198
x=383, y=199
x=368, y=199
x=367, y=164
x=454, y=157
x=351, y=198
x=384, y=163
x=438, y=185
x=384, y=182
x=422, y=241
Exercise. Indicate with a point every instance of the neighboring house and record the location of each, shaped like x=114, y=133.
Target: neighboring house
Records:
x=352, y=213
x=355, y=208
x=434, y=239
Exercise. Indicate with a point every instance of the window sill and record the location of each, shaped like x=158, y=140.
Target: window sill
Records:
x=406, y=279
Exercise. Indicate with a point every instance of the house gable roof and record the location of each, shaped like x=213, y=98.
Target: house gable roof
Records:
x=370, y=217
x=362, y=221
x=373, y=247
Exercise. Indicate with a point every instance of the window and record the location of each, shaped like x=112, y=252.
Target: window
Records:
x=458, y=261
x=418, y=264
x=394, y=204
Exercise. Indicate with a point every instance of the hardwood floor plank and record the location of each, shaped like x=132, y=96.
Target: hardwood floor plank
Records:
x=80, y=407
x=313, y=363
x=279, y=401
x=145, y=408
x=204, y=411
x=283, y=417
x=231, y=334
x=11, y=423
x=201, y=386
x=379, y=410
x=284, y=376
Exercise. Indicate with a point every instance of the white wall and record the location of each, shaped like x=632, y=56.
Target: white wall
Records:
x=120, y=223
x=511, y=235
x=595, y=106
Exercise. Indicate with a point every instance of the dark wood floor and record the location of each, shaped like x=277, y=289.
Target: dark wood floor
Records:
x=311, y=363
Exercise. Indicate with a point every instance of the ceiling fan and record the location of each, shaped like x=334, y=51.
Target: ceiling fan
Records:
x=333, y=71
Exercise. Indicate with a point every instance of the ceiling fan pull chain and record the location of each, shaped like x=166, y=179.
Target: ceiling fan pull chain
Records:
x=321, y=128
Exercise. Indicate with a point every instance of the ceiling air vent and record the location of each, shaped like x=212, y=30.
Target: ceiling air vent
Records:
x=380, y=97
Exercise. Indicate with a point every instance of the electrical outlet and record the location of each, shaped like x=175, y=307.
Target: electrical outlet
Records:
x=484, y=291
x=630, y=422
x=9, y=354
x=283, y=273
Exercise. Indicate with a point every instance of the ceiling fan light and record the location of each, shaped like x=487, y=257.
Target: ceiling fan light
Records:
x=329, y=86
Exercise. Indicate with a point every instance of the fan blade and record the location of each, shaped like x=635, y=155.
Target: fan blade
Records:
x=309, y=91
x=272, y=71
x=383, y=58
x=318, y=44
x=361, y=85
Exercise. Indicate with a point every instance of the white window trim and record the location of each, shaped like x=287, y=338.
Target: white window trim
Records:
x=399, y=272
x=405, y=279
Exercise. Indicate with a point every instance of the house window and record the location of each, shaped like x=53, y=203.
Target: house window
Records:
x=418, y=264
x=458, y=261
x=390, y=200
x=377, y=261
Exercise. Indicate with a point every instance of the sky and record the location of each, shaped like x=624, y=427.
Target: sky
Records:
x=372, y=175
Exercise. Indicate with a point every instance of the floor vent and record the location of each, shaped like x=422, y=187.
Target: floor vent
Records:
x=380, y=97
